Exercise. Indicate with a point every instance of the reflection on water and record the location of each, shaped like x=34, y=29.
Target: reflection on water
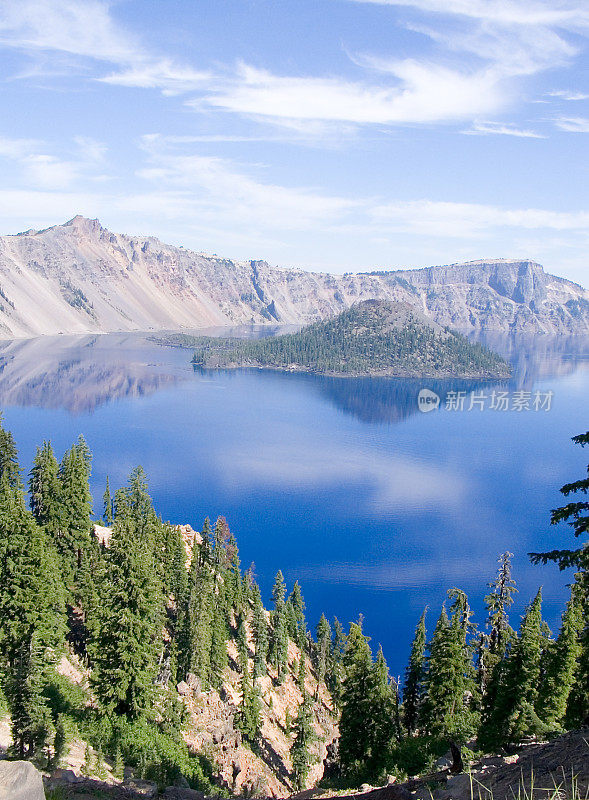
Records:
x=80, y=374
x=341, y=483
x=76, y=373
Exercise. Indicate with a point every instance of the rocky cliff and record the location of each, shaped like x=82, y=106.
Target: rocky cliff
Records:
x=81, y=278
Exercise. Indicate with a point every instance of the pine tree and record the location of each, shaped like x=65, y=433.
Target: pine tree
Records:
x=414, y=678
x=513, y=716
x=561, y=665
x=300, y=753
x=260, y=635
x=44, y=489
x=384, y=717
x=73, y=537
x=279, y=630
x=107, y=505
x=335, y=675
x=492, y=646
x=60, y=746
x=31, y=614
x=249, y=717
x=128, y=636
x=323, y=648
x=218, y=652
x=9, y=468
x=195, y=634
x=449, y=685
x=576, y=515
x=498, y=602
x=356, y=722
x=299, y=625
x=234, y=587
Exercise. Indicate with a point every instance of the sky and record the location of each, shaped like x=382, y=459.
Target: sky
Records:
x=338, y=135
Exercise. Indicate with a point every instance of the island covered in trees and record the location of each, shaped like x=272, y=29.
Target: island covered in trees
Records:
x=161, y=626
x=373, y=338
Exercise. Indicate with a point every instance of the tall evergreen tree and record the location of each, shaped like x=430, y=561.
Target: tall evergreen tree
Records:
x=299, y=625
x=384, y=715
x=323, y=648
x=107, y=503
x=576, y=515
x=218, y=652
x=561, y=665
x=513, y=714
x=73, y=538
x=300, y=753
x=335, y=675
x=492, y=646
x=279, y=630
x=357, y=727
x=414, y=678
x=31, y=615
x=44, y=489
x=128, y=642
x=9, y=467
x=260, y=635
x=447, y=710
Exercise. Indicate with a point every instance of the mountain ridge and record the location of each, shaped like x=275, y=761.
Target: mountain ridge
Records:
x=80, y=277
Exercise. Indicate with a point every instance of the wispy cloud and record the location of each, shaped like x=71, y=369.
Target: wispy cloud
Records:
x=501, y=129
x=470, y=219
x=68, y=26
x=226, y=187
x=86, y=29
x=162, y=74
x=565, y=94
x=506, y=12
x=43, y=169
x=573, y=124
x=508, y=39
x=420, y=93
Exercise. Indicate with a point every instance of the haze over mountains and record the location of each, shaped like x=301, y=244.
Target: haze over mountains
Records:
x=81, y=278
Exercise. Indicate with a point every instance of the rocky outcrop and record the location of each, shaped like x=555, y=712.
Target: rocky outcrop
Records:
x=80, y=278
x=264, y=771
x=20, y=780
x=555, y=769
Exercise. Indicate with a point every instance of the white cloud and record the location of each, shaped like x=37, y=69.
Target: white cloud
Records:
x=421, y=93
x=509, y=40
x=505, y=12
x=163, y=74
x=220, y=184
x=69, y=26
x=85, y=28
x=566, y=94
x=16, y=148
x=44, y=170
x=573, y=124
x=502, y=129
x=464, y=220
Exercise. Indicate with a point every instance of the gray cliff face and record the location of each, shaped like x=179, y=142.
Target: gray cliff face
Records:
x=81, y=278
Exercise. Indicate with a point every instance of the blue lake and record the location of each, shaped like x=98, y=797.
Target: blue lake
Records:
x=344, y=484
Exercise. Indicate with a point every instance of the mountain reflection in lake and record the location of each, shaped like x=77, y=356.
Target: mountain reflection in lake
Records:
x=340, y=482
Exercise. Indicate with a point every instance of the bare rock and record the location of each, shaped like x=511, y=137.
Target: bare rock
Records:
x=20, y=780
x=194, y=682
x=181, y=793
x=142, y=788
x=63, y=776
x=183, y=688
